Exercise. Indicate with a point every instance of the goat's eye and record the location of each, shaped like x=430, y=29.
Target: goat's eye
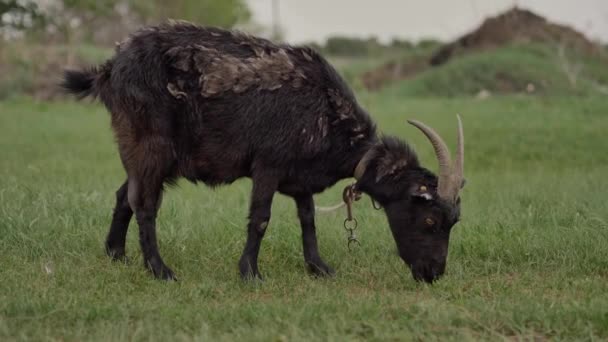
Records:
x=429, y=221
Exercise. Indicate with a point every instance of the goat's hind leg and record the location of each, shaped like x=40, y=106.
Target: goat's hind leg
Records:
x=145, y=197
x=150, y=165
x=115, y=242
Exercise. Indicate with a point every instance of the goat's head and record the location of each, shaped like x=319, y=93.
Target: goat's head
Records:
x=421, y=208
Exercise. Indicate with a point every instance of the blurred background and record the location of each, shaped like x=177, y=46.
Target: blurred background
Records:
x=419, y=48
x=527, y=262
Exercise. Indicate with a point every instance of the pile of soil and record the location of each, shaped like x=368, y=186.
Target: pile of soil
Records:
x=514, y=26
x=394, y=71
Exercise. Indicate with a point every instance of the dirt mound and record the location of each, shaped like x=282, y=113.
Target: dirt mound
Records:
x=514, y=26
x=393, y=71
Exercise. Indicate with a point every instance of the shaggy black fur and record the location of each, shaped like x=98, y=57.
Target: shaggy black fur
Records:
x=213, y=105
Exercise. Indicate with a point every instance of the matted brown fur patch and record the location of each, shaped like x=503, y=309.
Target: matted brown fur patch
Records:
x=220, y=72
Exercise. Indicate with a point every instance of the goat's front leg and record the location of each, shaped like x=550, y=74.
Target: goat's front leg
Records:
x=264, y=187
x=306, y=213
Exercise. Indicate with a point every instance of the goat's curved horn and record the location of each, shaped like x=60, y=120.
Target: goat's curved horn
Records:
x=459, y=163
x=450, y=176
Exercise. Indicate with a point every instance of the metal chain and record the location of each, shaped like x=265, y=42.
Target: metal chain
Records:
x=349, y=195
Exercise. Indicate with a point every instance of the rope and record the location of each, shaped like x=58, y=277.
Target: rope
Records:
x=330, y=209
x=349, y=195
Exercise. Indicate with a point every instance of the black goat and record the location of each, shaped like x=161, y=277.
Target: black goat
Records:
x=213, y=105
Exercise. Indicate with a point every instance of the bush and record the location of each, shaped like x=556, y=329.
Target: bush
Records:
x=401, y=44
x=428, y=44
x=344, y=46
x=363, y=47
x=36, y=69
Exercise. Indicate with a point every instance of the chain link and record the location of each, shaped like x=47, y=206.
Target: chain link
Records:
x=349, y=195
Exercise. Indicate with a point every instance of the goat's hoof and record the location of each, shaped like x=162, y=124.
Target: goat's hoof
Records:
x=249, y=273
x=165, y=274
x=252, y=278
x=162, y=272
x=320, y=269
x=116, y=253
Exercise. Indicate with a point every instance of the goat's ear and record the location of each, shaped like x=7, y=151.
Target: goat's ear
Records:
x=422, y=192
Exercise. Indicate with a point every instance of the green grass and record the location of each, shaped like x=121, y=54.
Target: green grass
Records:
x=510, y=69
x=528, y=260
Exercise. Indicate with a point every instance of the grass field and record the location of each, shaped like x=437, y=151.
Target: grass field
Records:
x=528, y=260
x=507, y=70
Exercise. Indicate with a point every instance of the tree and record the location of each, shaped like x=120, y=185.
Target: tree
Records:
x=66, y=17
x=223, y=13
x=16, y=16
x=58, y=16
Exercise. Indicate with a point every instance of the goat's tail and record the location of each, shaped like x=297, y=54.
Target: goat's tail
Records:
x=81, y=83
